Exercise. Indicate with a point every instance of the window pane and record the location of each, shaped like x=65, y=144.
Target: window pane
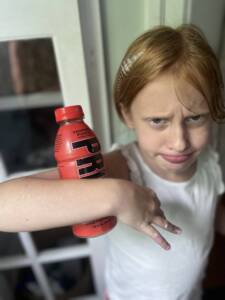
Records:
x=29, y=93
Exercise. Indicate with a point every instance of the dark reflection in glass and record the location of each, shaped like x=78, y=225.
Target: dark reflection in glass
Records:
x=29, y=93
x=27, y=138
x=68, y=280
x=72, y=278
x=27, y=66
x=10, y=245
x=55, y=238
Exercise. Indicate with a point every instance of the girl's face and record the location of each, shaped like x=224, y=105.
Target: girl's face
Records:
x=170, y=136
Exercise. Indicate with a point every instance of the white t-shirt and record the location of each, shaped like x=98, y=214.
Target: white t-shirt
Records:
x=136, y=267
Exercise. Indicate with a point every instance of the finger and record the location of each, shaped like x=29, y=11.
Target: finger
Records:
x=155, y=235
x=165, y=224
x=155, y=198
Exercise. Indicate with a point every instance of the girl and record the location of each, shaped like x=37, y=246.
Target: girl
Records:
x=169, y=90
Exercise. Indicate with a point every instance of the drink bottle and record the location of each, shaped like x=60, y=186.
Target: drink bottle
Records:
x=78, y=155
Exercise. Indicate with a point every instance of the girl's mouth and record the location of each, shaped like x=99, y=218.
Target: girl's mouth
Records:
x=176, y=159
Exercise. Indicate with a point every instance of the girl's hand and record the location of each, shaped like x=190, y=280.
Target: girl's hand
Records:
x=139, y=208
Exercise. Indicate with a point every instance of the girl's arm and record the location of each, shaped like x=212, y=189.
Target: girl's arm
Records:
x=43, y=201
x=34, y=203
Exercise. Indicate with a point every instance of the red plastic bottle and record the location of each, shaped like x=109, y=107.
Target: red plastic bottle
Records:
x=78, y=155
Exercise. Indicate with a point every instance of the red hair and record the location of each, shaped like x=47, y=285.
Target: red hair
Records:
x=184, y=52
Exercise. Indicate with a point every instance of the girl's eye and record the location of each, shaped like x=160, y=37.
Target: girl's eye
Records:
x=194, y=119
x=157, y=122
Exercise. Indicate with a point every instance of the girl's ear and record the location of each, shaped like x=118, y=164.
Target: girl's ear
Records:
x=127, y=116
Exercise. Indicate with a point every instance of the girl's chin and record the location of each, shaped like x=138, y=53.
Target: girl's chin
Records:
x=180, y=171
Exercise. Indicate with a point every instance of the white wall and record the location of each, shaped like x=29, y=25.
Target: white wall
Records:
x=209, y=16
x=122, y=21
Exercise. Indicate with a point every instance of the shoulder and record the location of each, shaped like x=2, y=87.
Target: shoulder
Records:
x=116, y=165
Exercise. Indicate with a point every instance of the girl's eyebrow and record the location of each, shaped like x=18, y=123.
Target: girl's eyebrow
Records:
x=168, y=116
x=163, y=118
x=157, y=116
x=192, y=114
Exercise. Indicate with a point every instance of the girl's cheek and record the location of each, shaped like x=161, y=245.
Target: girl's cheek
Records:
x=201, y=139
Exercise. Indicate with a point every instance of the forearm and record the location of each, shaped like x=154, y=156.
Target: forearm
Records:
x=31, y=203
x=35, y=203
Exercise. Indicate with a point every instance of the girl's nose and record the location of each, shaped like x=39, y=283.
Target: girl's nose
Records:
x=178, y=139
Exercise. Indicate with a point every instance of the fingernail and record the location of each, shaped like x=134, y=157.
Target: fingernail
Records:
x=178, y=230
x=167, y=247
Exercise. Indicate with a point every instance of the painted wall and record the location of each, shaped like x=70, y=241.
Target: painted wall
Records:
x=209, y=16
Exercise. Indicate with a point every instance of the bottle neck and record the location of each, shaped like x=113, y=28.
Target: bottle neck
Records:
x=67, y=122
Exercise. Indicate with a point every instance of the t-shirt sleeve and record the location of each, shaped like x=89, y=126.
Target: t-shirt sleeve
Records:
x=220, y=184
x=128, y=152
x=216, y=171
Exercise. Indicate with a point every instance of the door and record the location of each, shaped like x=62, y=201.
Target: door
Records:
x=29, y=29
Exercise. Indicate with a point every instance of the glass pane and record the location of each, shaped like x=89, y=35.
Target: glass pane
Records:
x=55, y=238
x=28, y=66
x=67, y=280
x=29, y=93
x=10, y=245
x=70, y=279
x=20, y=284
x=27, y=138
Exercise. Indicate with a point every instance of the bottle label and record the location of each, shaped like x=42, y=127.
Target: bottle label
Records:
x=92, y=145
x=92, y=165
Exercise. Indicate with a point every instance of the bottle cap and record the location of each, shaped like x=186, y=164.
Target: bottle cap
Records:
x=69, y=113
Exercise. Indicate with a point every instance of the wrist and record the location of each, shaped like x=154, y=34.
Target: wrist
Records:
x=120, y=190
